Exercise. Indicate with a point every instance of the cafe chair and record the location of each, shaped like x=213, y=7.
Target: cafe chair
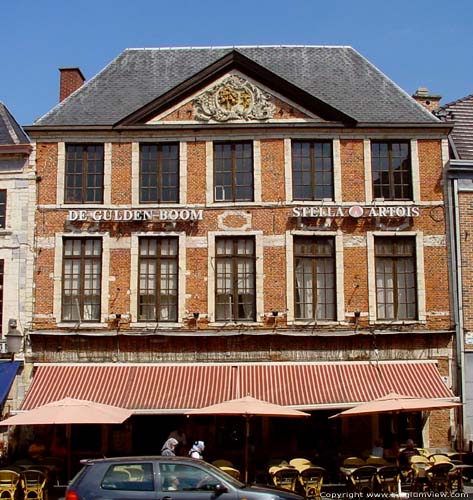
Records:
x=231, y=471
x=9, y=481
x=362, y=478
x=221, y=462
x=33, y=484
x=376, y=461
x=284, y=477
x=440, y=478
x=297, y=463
x=387, y=479
x=311, y=479
x=439, y=458
x=353, y=462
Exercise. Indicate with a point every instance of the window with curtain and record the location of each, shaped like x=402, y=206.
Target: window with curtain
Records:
x=158, y=279
x=396, y=288
x=233, y=171
x=391, y=170
x=312, y=170
x=314, y=273
x=84, y=173
x=159, y=173
x=235, y=291
x=82, y=276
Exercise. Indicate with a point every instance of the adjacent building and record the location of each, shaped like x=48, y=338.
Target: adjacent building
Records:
x=217, y=222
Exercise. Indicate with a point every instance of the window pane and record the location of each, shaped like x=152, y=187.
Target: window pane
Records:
x=159, y=173
x=84, y=173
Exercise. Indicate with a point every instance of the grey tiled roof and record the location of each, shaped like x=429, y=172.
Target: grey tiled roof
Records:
x=338, y=76
x=10, y=132
x=460, y=112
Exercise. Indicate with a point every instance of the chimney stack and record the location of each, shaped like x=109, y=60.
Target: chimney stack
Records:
x=71, y=80
x=426, y=99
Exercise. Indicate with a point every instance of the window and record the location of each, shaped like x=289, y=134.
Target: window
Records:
x=391, y=165
x=233, y=171
x=82, y=274
x=3, y=207
x=396, y=293
x=129, y=477
x=183, y=477
x=312, y=170
x=159, y=173
x=158, y=277
x=84, y=173
x=235, y=279
x=314, y=264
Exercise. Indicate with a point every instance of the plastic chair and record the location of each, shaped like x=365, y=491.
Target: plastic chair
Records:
x=9, y=480
x=311, y=479
x=33, y=483
x=297, y=463
x=387, y=478
x=439, y=477
x=353, y=462
x=221, y=462
x=231, y=471
x=439, y=458
x=376, y=461
x=362, y=478
x=284, y=477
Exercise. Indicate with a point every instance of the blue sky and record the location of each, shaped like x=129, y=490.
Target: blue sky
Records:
x=414, y=43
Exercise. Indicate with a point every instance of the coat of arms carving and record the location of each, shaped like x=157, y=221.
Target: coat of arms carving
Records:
x=234, y=99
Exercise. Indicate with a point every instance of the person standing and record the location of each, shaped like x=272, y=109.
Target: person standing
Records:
x=197, y=450
x=169, y=447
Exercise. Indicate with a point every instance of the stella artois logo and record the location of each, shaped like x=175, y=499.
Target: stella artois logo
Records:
x=234, y=99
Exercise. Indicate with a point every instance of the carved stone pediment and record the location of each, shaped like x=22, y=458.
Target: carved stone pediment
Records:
x=234, y=98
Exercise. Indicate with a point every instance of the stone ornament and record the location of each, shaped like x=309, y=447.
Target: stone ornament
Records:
x=234, y=99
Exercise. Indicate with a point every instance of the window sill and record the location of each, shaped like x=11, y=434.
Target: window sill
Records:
x=388, y=322
x=299, y=322
x=155, y=326
x=83, y=325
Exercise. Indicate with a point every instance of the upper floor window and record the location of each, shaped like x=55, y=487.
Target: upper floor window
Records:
x=235, y=279
x=233, y=171
x=3, y=208
x=312, y=170
x=84, y=173
x=159, y=173
x=396, y=290
x=391, y=170
x=314, y=265
x=82, y=277
x=158, y=279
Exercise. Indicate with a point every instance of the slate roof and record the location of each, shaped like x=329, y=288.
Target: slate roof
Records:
x=460, y=113
x=338, y=76
x=10, y=131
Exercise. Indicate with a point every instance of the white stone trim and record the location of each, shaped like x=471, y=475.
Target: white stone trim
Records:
x=288, y=168
x=57, y=276
x=182, y=173
x=107, y=173
x=415, y=172
x=337, y=171
x=259, y=279
x=421, y=301
x=135, y=173
x=61, y=172
x=181, y=297
x=339, y=274
x=367, y=165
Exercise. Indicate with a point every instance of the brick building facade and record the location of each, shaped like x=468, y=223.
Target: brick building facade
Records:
x=263, y=220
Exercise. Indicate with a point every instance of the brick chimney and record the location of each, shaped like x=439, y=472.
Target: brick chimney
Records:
x=428, y=100
x=71, y=80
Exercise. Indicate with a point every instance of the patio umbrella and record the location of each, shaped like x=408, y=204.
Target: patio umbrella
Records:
x=69, y=411
x=395, y=403
x=248, y=407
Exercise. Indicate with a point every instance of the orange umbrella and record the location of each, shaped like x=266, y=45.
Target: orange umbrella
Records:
x=248, y=407
x=70, y=411
x=395, y=403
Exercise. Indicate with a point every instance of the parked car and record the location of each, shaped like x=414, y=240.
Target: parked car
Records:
x=163, y=478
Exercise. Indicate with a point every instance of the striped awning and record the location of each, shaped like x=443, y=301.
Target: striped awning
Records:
x=176, y=388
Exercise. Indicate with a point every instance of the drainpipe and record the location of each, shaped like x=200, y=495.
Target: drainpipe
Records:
x=457, y=302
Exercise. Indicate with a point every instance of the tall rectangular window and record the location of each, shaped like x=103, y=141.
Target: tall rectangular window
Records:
x=312, y=170
x=158, y=279
x=391, y=170
x=396, y=289
x=235, y=279
x=233, y=171
x=84, y=173
x=82, y=277
x=3, y=208
x=159, y=173
x=314, y=264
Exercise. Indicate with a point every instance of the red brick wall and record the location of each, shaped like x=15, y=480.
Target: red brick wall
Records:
x=353, y=177
x=121, y=174
x=272, y=170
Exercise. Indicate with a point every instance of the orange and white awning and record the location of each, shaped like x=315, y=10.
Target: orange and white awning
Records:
x=177, y=388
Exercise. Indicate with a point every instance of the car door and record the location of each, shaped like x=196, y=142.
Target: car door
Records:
x=191, y=482
x=130, y=481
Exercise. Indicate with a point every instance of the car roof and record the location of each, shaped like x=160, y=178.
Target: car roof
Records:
x=138, y=459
